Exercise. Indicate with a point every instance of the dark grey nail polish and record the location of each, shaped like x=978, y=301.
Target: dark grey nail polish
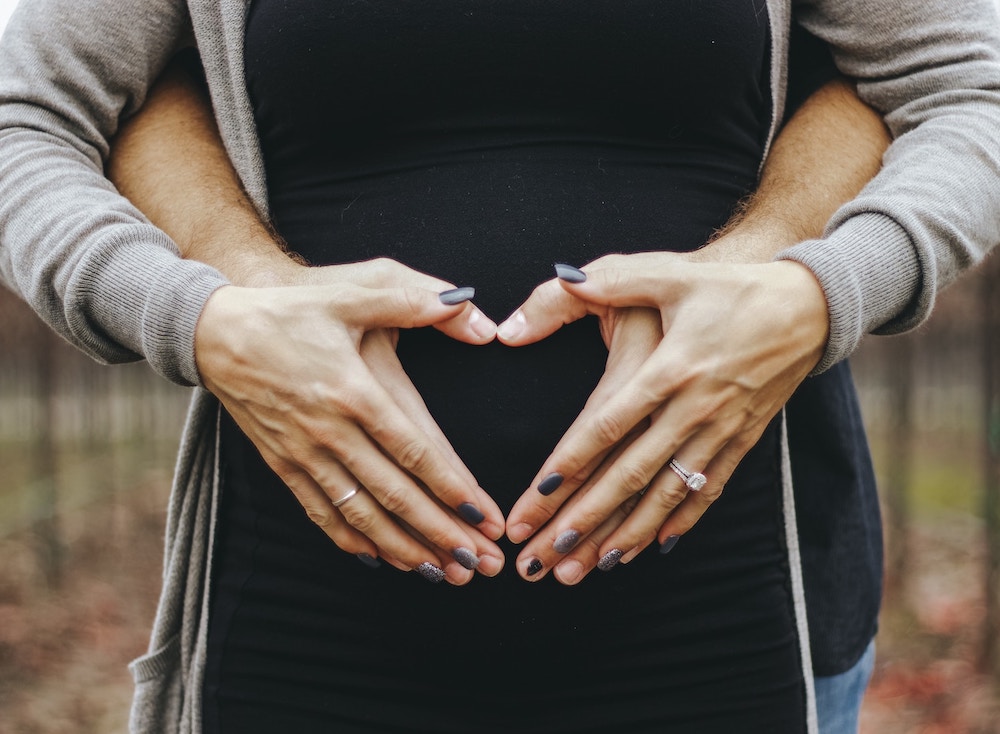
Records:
x=566, y=541
x=550, y=484
x=457, y=295
x=668, y=544
x=534, y=567
x=430, y=572
x=467, y=558
x=470, y=513
x=610, y=559
x=370, y=561
x=570, y=274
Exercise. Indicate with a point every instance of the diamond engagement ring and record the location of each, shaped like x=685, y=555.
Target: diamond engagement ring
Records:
x=693, y=479
x=342, y=500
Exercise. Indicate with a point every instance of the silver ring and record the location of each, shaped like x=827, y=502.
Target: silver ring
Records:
x=342, y=500
x=693, y=479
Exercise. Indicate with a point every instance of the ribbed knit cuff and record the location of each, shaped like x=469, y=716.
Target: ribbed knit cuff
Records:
x=142, y=297
x=869, y=273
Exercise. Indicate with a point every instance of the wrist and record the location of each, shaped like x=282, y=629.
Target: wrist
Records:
x=750, y=241
x=256, y=263
x=213, y=330
x=805, y=304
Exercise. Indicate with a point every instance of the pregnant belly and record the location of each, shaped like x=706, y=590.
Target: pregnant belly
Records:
x=499, y=224
x=504, y=409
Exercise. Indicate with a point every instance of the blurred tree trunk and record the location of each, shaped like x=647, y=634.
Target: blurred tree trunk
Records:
x=43, y=459
x=990, y=315
x=899, y=464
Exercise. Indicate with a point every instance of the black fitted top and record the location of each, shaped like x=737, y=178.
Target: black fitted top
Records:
x=468, y=139
x=481, y=142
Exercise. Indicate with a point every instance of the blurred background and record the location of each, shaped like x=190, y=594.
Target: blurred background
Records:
x=86, y=454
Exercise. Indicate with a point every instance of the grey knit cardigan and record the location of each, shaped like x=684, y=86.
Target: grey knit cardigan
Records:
x=93, y=267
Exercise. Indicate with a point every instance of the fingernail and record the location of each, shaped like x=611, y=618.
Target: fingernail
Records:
x=430, y=572
x=550, y=484
x=368, y=560
x=482, y=326
x=566, y=541
x=470, y=513
x=466, y=557
x=512, y=327
x=490, y=565
x=630, y=556
x=570, y=274
x=457, y=574
x=668, y=544
x=569, y=572
x=519, y=532
x=610, y=559
x=456, y=296
x=534, y=567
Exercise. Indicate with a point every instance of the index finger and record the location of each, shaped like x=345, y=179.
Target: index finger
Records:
x=597, y=429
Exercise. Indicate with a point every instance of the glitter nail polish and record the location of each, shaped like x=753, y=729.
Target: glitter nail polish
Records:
x=566, y=541
x=466, y=557
x=430, y=572
x=534, y=566
x=610, y=559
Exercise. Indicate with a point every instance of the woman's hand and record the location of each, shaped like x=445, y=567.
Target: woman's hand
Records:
x=737, y=340
x=310, y=374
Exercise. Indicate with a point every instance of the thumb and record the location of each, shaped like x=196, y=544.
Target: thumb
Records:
x=613, y=285
x=547, y=309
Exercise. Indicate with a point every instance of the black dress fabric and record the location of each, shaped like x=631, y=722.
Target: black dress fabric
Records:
x=481, y=142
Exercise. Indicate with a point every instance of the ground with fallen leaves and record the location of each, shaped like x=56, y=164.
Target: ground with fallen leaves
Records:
x=64, y=647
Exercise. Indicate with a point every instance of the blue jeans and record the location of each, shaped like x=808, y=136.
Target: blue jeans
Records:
x=838, y=697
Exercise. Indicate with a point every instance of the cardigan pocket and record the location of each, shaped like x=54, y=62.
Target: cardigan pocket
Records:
x=158, y=699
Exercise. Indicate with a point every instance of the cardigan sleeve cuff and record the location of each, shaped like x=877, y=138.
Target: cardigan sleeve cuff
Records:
x=138, y=298
x=870, y=275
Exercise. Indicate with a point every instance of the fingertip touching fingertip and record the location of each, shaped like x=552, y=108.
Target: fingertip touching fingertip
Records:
x=520, y=532
x=513, y=327
x=481, y=326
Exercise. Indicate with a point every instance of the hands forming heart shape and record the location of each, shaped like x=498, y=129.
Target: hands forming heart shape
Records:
x=701, y=356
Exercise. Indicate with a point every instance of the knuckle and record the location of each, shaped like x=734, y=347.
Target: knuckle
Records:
x=415, y=457
x=608, y=261
x=711, y=493
x=609, y=427
x=668, y=497
x=410, y=304
x=320, y=516
x=395, y=500
x=364, y=522
x=348, y=399
x=632, y=478
x=386, y=269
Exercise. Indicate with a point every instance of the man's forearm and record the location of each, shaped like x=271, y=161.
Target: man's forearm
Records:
x=822, y=158
x=170, y=161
